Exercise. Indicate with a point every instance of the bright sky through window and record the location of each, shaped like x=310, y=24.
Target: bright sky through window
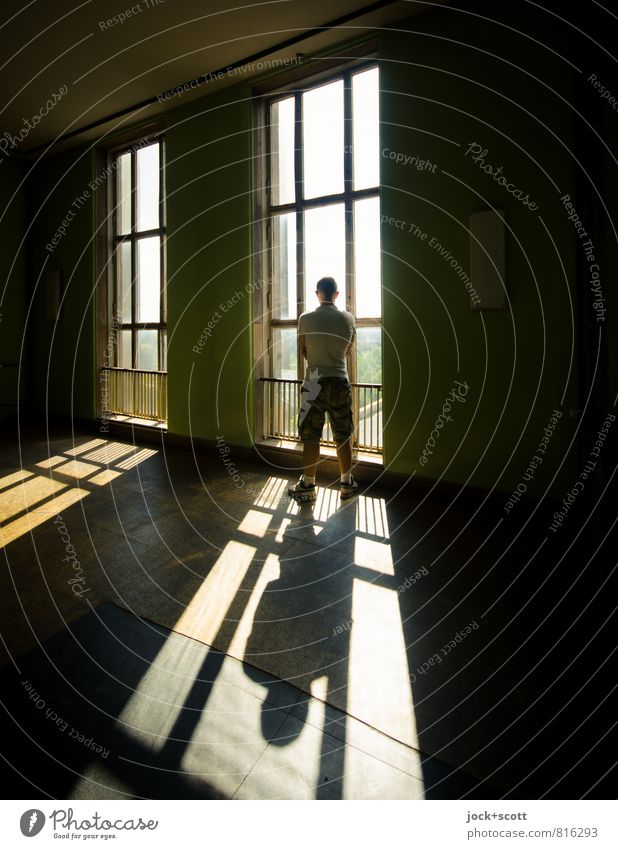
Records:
x=148, y=275
x=366, y=128
x=367, y=257
x=148, y=187
x=323, y=140
x=282, y=143
x=324, y=248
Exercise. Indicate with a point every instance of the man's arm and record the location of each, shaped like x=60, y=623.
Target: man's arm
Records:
x=350, y=347
x=302, y=344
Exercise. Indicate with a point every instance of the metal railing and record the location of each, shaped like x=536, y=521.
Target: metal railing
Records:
x=135, y=393
x=281, y=399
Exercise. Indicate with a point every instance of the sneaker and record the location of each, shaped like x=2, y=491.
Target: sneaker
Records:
x=302, y=488
x=346, y=490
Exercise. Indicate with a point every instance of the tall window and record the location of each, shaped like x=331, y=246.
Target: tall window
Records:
x=323, y=209
x=139, y=303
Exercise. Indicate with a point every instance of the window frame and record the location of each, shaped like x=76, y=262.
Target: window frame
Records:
x=133, y=237
x=266, y=211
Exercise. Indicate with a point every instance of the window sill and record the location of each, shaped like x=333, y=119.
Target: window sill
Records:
x=134, y=421
x=290, y=446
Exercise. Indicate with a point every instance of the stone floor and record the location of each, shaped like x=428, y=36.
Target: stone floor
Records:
x=213, y=639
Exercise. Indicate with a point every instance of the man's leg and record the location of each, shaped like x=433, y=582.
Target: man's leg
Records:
x=343, y=430
x=311, y=456
x=344, y=457
x=340, y=413
x=310, y=425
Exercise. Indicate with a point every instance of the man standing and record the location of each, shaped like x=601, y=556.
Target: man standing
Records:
x=325, y=338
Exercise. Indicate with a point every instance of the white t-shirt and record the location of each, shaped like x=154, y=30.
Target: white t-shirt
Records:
x=328, y=331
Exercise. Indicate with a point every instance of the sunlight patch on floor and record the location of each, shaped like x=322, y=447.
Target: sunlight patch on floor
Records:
x=204, y=615
x=271, y=571
x=379, y=689
x=87, y=446
x=14, y=477
x=22, y=490
x=25, y=495
x=109, y=453
x=255, y=523
x=373, y=555
x=151, y=713
x=136, y=459
x=326, y=503
x=51, y=462
x=104, y=477
x=39, y=515
x=271, y=493
x=76, y=469
x=282, y=529
x=371, y=516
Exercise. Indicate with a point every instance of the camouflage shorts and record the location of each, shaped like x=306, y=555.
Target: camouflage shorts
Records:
x=332, y=395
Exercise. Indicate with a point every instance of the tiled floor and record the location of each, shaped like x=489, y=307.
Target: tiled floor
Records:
x=221, y=641
x=173, y=717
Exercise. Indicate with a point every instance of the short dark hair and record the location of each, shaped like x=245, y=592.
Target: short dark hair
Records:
x=327, y=286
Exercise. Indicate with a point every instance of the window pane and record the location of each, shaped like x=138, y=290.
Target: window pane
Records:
x=282, y=151
x=148, y=187
x=123, y=191
x=366, y=128
x=148, y=279
x=164, y=350
x=369, y=354
x=123, y=259
x=284, y=351
x=124, y=349
x=324, y=250
x=323, y=140
x=284, y=266
x=367, y=258
x=147, y=350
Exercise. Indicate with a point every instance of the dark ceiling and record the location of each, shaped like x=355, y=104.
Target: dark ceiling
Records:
x=93, y=66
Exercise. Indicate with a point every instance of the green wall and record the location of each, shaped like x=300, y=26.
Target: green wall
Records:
x=209, y=209
x=437, y=99
x=13, y=351
x=63, y=351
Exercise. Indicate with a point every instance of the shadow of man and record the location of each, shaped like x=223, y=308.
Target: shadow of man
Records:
x=329, y=623
x=301, y=633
